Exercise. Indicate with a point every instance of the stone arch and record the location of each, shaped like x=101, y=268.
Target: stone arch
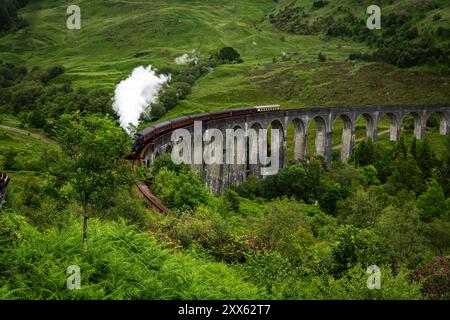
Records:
x=371, y=126
x=441, y=118
x=236, y=155
x=278, y=125
x=417, y=124
x=394, y=125
x=300, y=139
x=252, y=148
x=321, y=136
x=348, y=136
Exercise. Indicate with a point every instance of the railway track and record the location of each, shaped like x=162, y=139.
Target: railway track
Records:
x=148, y=195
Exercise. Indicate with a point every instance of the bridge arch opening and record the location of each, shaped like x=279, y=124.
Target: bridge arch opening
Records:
x=412, y=123
x=436, y=122
x=276, y=125
x=389, y=123
x=252, y=149
x=317, y=132
x=343, y=142
x=236, y=155
x=298, y=135
x=366, y=127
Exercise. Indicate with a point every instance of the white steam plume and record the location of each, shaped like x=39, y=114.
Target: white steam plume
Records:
x=134, y=95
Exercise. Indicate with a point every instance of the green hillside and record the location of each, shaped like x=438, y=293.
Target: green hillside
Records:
x=279, y=66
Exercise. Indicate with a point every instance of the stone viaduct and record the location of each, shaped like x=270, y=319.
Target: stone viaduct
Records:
x=219, y=177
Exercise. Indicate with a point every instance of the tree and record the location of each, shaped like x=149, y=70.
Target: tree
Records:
x=228, y=54
x=91, y=163
x=184, y=89
x=402, y=232
x=361, y=208
x=354, y=246
x=444, y=177
x=405, y=175
x=426, y=160
x=432, y=202
x=169, y=98
x=365, y=153
x=413, y=148
x=334, y=193
x=231, y=201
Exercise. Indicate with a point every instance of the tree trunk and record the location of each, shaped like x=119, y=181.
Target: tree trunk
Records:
x=85, y=226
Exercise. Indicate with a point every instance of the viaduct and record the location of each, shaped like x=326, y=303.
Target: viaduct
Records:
x=219, y=177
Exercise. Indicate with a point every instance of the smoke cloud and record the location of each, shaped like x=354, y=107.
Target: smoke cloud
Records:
x=134, y=95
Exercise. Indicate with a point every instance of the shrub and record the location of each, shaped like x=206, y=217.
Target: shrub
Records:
x=436, y=277
x=228, y=54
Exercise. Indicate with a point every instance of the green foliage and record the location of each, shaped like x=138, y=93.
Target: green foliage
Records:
x=439, y=235
x=433, y=203
x=285, y=229
x=272, y=272
x=121, y=264
x=8, y=14
x=231, y=201
x=91, y=165
x=403, y=232
x=180, y=190
x=228, y=54
x=353, y=286
x=9, y=159
x=354, y=246
x=303, y=181
x=329, y=199
x=406, y=175
x=37, y=101
x=361, y=208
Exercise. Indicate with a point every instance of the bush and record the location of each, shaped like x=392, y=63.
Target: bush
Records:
x=184, y=89
x=182, y=190
x=436, y=277
x=169, y=98
x=356, y=246
x=319, y=4
x=353, y=286
x=228, y=54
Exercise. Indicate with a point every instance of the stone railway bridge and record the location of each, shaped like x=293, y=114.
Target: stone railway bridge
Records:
x=219, y=177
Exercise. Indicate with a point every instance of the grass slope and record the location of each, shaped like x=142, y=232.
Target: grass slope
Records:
x=102, y=53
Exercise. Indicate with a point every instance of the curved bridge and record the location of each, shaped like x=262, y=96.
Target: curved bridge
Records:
x=219, y=177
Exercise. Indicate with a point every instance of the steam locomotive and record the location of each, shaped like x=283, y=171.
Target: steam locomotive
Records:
x=147, y=135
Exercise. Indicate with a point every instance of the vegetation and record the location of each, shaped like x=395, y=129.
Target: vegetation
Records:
x=305, y=233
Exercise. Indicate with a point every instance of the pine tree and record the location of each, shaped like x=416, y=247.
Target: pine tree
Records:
x=426, y=160
x=401, y=149
x=413, y=149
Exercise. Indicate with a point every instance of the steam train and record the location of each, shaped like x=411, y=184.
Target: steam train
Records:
x=147, y=135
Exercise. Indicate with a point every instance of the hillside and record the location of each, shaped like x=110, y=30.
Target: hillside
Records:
x=279, y=66
x=74, y=217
